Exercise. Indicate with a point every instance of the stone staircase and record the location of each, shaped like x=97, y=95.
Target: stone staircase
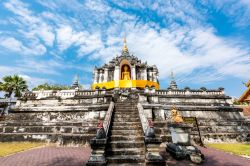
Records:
x=125, y=139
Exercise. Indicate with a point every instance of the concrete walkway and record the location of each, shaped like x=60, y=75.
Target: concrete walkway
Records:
x=70, y=156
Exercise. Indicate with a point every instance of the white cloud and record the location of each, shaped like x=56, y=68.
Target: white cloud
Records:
x=15, y=45
x=12, y=44
x=87, y=43
x=96, y=6
x=34, y=81
x=33, y=27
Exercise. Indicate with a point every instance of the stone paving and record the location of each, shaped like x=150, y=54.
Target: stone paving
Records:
x=73, y=156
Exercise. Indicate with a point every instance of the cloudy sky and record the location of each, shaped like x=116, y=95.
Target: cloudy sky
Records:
x=205, y=43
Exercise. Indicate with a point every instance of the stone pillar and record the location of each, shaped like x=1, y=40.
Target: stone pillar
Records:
x=150, y=75
x=144, y=74
x=95, y=75
x=101, y=76
x=117, y=73
x=105, y=75
x=98, y=76
x=117, y=76
x=133, y=73
x=154, y=75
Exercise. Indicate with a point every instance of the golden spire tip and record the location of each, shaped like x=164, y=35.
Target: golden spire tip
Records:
x=125, y=48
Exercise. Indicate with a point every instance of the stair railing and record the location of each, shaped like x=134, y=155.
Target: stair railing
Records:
x=144, y=120
x=151, y=141
x=98, y=144
x=108, y=117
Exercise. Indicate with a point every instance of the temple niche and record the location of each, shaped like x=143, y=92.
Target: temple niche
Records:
x=125, y=71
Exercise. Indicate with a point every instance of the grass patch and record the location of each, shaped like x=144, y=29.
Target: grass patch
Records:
x=235, y=148
x=7, y=148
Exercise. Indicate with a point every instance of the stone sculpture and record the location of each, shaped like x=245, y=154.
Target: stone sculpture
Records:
x=175, y=116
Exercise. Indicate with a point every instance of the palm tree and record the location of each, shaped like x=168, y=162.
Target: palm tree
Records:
x=13, y=84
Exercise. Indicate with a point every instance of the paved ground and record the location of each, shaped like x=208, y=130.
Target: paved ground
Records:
x=49, y=156
x=213, y=157
x=65, y=156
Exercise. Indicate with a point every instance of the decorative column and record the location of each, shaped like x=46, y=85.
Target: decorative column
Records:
x=133, y=73
x=98, y=76
x=117, y=76
x=144, y=74
x=105, y=75
x=95, y=75
x=101, y=76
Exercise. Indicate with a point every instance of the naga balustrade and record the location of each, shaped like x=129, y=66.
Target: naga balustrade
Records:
x=152, y=143
x=108, y=117
x=98, y=143
x=144, y=120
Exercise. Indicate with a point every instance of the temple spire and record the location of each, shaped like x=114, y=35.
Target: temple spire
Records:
x=125, y=48
x=173, y=84
x=75, y=84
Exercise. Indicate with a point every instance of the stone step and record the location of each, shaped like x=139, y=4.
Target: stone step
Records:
x=132, y=127
x=160, y=124
x=118, y=159
x=126, y=132
x=48, y=129
x=125, y=151
x=125, y=113
x=126, y=138
x=126, y=123
x=126, y=109
x=125, y=105
x=128, y=103
x=127, y=144
x=35, y=123
x=62, y=139
x=128, y=164
x=131, y=119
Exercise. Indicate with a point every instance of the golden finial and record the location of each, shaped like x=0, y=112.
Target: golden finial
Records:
x=125, y=48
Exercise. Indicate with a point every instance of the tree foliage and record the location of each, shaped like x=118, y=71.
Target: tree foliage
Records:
x=47, y=86
x=13, y=84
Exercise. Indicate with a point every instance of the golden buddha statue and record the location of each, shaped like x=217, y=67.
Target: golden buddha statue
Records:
x=175, y=115
x=126, y=73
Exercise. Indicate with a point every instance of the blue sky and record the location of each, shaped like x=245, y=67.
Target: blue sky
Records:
x=205, y=43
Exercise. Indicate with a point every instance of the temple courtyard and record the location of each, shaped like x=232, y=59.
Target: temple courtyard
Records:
x=78, y=156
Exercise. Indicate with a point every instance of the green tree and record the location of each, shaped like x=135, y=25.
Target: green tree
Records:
x=13, y=84
x=1, y=86
x=47, y=86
